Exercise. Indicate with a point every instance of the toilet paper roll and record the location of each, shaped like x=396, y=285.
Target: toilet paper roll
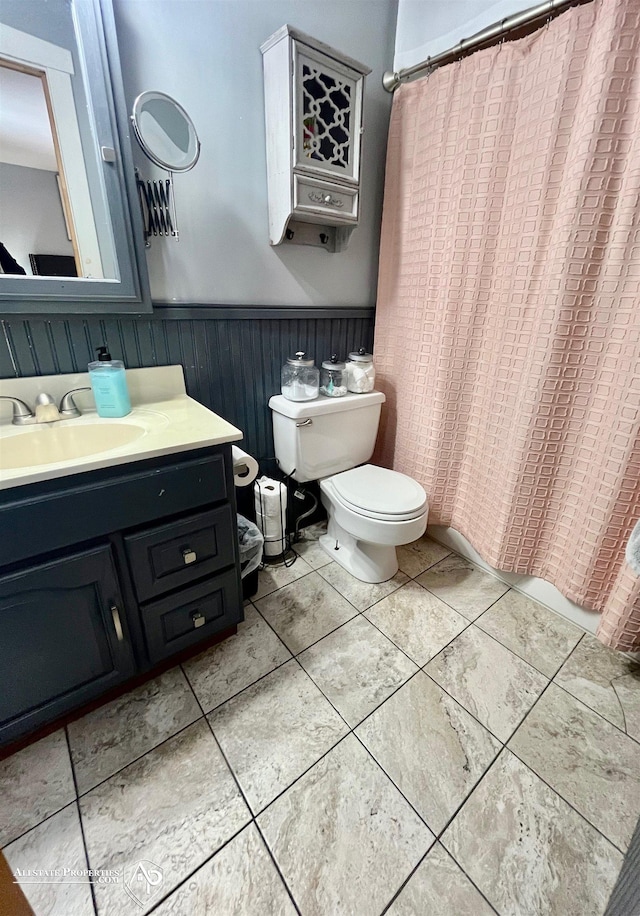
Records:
x=245, y=467
x=270, y=500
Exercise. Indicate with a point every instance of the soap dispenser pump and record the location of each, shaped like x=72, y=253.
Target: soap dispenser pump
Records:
x=109, y=385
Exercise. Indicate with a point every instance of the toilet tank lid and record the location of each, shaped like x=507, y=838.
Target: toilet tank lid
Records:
x=297, y=410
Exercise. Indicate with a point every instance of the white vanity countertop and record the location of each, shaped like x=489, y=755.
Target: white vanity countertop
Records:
x=164, y=420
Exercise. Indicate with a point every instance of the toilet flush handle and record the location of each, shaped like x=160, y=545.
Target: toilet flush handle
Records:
x=306, y=422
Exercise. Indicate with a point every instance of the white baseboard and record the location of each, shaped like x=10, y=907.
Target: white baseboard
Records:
x=531, y=586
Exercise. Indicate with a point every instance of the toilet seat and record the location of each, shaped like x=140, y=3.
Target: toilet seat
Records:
x=379, y=493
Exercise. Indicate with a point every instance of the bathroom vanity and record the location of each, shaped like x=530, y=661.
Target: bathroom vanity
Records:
x=114, y=562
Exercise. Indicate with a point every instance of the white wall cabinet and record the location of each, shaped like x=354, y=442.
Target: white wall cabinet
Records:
x=313, y=119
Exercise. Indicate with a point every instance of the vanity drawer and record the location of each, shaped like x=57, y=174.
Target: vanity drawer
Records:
x=185, y=619
x=319, y=198
x=172, y=555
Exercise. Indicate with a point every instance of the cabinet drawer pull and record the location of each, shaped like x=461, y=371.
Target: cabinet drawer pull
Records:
x=189, y=556
x=199, y=619
x=115, y=614
x=317, y=197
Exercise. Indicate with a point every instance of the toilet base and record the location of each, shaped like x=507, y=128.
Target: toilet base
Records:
x=367, y=562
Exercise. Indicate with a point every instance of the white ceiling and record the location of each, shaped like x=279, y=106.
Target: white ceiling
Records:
x=25, y=131
x=427, y=27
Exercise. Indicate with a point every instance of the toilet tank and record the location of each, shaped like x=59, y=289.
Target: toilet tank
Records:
x=314, y=439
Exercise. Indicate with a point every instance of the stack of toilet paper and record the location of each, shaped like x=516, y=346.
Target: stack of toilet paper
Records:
x=270, y=497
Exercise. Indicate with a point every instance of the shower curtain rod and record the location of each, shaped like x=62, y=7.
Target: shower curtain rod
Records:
x=534, y=14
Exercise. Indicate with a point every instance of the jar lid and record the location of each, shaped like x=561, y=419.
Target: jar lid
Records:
x=300, y=359
x=361, y=356
x=333, y=363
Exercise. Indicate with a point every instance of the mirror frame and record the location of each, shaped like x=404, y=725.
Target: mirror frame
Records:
x=96, y=33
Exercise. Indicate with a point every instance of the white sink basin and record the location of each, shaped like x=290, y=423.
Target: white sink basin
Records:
x=163, y=421
x=35, y=446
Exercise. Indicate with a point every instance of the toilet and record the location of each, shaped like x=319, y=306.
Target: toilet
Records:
x=370, y=510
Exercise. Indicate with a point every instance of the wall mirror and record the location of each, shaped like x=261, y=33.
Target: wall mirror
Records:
x=168, y=138
x=165, y=131
x=70, y=229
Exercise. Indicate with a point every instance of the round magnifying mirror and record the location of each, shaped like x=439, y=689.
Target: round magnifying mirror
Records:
x=165, y=131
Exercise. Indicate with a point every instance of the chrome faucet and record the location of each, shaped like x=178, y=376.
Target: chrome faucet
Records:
x=45, y=408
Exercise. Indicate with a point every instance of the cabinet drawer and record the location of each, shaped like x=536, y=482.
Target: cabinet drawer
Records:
x=172, y=555
x=322, y=199
x=184, y=619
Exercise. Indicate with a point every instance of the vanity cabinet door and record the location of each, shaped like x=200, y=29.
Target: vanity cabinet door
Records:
x=64, y=638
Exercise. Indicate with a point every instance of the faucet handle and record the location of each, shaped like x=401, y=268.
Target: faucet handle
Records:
x=21, y=413
x=68, y=407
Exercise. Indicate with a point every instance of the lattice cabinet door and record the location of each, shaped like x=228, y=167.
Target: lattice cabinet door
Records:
x=327, y=116
x=314, y=122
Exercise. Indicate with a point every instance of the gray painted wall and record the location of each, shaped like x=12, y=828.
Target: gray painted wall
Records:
x=206, y=54
x=31, y=217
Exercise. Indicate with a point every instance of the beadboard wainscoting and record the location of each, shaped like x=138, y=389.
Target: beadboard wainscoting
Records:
x=231, y=355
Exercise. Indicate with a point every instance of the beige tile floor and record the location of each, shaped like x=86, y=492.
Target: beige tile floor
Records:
x=437, y=745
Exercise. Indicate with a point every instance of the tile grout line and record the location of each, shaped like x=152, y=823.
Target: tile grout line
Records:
x=80, y=820
x=253, y=816
x=505, y=747
x=352, y=731
x=415, y=869
x=140, y=756
x=594, y=711
x=568, y=803
x=517, y=654
x=541, y=778
x=549, y=681
x=462, y=706
x=246, y=687
x=257, y=597
x=453, y=817
x=188, y=877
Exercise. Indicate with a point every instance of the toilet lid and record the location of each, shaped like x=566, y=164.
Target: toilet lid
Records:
x=377, y=490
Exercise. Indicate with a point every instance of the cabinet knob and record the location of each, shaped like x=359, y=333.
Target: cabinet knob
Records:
x=189, y=556
x=199, y=619
x=117, y=625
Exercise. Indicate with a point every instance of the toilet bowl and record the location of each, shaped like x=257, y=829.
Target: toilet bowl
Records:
x=371, y=511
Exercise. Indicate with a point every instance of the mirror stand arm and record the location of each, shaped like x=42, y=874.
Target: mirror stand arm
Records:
x=158, y=206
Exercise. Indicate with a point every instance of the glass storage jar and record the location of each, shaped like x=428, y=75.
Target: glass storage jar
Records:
x=360, y=372
x=300, y=378
x=332, y=379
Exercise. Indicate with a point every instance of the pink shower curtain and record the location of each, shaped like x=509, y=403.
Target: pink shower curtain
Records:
x=508, y=318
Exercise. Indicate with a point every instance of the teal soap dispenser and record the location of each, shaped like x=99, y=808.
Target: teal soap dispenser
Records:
x=109, y=384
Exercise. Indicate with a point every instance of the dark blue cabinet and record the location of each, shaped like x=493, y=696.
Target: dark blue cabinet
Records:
x=64, y=633
x=106, y=574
